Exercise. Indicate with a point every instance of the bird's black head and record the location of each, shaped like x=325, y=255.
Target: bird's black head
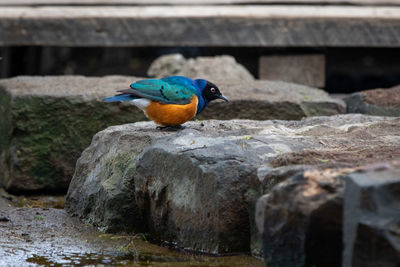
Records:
x=211, y=92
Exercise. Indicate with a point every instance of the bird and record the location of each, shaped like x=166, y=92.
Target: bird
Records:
x=170, y=101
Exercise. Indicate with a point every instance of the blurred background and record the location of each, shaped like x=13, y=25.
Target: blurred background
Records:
x=355, y=41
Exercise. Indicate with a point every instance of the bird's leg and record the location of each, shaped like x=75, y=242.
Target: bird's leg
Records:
x=171, y=128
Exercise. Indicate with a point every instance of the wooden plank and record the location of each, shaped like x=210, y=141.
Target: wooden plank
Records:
x=194, y=2
x=260, y=26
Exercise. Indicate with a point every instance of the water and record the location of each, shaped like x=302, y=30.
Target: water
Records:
x=32, y=233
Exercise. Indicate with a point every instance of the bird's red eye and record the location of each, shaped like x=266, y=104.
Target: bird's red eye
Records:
x=212, y=90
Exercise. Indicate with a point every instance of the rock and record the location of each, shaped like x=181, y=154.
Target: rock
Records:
x=380, y=102
x=267, y=178
x=264, y=100
x=214, y=69
x=102, y=190
x=301, y=219
x=167, y=65
x=195, y=188
x=47, y=121
x=372, y=218
x=130, y=195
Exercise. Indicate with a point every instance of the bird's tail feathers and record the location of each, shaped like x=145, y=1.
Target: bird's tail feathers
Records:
x=117, y=98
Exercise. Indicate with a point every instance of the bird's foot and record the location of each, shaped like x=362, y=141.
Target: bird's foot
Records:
x=171, y=128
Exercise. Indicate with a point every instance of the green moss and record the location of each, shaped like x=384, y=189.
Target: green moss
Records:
x=5, y=119
x=321, y=109
x=5, y=135
x=120, y=210
x=50, y=134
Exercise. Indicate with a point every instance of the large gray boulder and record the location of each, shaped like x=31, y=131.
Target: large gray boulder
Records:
x=46, y=122
x=134, y=177
x=196, y=188
x=379, y=102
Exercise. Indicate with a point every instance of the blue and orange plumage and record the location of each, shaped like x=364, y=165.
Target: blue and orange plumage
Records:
x=170, y=101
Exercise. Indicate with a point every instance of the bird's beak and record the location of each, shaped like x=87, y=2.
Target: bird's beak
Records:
x=223, y=98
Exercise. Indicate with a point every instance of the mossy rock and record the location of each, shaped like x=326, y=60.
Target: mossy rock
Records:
x=50, y=124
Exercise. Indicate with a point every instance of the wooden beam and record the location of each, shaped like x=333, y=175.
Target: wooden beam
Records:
x=231, y=26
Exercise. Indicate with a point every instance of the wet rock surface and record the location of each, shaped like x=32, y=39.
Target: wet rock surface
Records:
x=196, y=188
x=37, y=236
x=46, y=122
x=380, y=102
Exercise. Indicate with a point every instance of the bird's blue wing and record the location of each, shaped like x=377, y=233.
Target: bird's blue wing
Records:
x=179, y=80
x=169, y=90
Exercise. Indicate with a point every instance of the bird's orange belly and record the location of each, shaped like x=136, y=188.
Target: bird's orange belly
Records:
x=170, y=114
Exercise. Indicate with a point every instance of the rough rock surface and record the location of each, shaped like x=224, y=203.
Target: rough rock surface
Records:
x=215, y=69
x=45, y=122
x=301, y=219
x=380, y=102
x=196, y=188
x=372, y=218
